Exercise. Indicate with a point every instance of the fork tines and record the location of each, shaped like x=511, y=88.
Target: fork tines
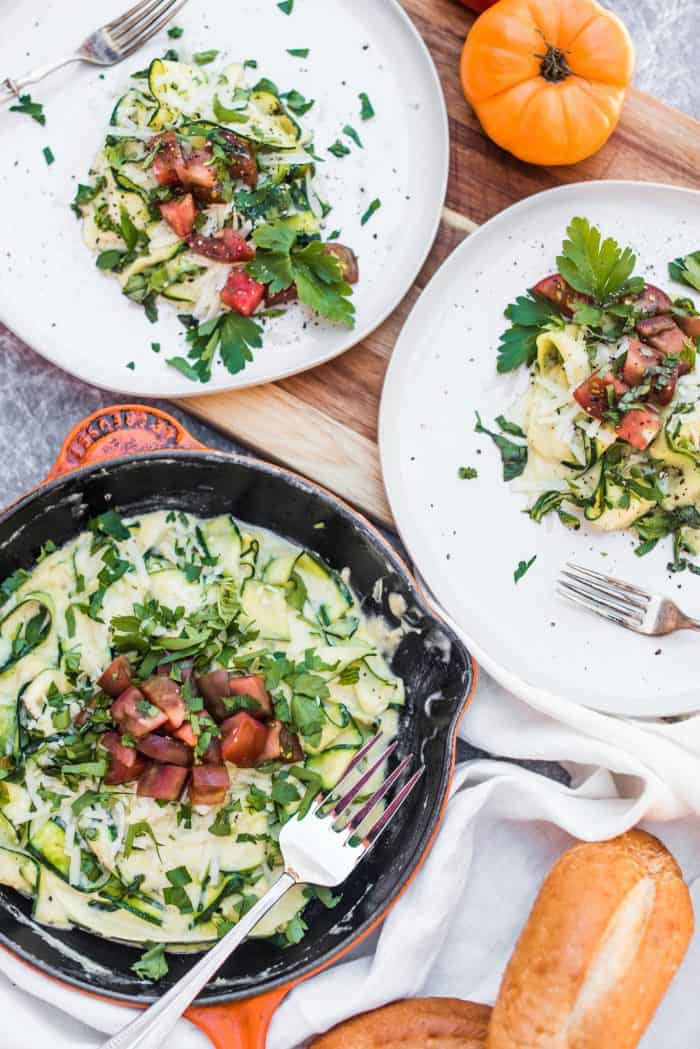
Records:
x=620, y=602
x=346, y=799
x=137, y=25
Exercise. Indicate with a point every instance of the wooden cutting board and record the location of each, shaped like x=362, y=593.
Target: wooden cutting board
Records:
x=324, y=423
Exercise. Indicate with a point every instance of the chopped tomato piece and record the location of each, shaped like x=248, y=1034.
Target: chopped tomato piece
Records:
x=125, y=763
x=130, y=711
x=671, y=341
x=689, y=325
x=240, y=158
x=639, y=358
x=165, y=749
x=347, y=259
x=663, y=381
x=652, y=300
x=241, y=293
x=186, y=734
x=592, y=394
x=164, y=782
x=214, y=688
x=252, y=685
x=281, y=298
x=281, y=745
x=209, y=784
x=117, y=677
x=168, y=161
x=199, y=171
x=243, y=740
x=560, y=292
x=180, y=214
x=639, y=427
x=165, y=694
x=226, y=246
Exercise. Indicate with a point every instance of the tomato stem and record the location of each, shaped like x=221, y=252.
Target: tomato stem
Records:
x=553, y=64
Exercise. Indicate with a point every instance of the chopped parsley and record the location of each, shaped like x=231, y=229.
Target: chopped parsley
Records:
x=366, y=107
x=522, y=568
x=686, y=269
x=152, y=965
x=374, y=206
x=339, y=149
x=351, y=133
x=48, y=155
x=29, y=108
x=175, y=32
x=298, y=52
x=203, y=58
x=467, y=473
x=230, y=335
x=286, y=7
x=513, y=456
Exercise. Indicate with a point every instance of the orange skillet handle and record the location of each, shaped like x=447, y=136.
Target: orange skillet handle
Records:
x=122, y=429
x=238, y=1025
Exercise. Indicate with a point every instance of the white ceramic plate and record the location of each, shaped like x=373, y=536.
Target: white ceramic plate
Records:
x=50, y=291
x=468, y=536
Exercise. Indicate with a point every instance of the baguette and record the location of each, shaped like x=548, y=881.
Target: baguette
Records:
x=607, y=932
x=415, y=1023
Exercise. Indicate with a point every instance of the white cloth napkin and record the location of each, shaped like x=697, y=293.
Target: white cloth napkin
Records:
x=454, y=929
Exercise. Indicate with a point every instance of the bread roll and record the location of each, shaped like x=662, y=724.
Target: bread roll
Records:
x=416, y=1023
x=606, y=934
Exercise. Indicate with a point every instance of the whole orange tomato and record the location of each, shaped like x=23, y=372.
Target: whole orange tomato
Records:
x=547, y=78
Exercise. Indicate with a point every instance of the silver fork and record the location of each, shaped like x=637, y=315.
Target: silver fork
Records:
x=623, y=603
x=107, y=45
x=316, y=850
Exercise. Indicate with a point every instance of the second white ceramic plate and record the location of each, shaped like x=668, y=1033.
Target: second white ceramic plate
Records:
x=52, y=295
x=467, y=536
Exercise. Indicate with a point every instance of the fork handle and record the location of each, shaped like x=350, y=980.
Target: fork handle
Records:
x=152, y=1027
x=11, y=87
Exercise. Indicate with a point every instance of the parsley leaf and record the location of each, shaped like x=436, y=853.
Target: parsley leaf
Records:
x=339, y=149
x=109, y=523
x=529, y=315
x=320, y=284
x=175, y=32
x=316, y=272
x=232, y=335
x=286, y=7
x=374, y=206
x=686, y=269
x=513, y=456
x=298, y=52
x=366, y=107
x=35, y=110
x=295, y=101
x=152, y=965
x=48, y=155
x=467, y=473
x=522, y=568
x=203, y=58
x=595, y=267
x=84, y=194
x=351, y=133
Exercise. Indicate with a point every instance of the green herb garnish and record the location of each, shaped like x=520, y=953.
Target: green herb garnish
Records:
x=366, y=107
x=35, y=110
x=513, y=456
x=152, y=965
x=522, y=568
x=374, y=206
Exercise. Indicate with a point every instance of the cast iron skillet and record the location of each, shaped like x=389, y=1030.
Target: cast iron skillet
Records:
x=137, y=459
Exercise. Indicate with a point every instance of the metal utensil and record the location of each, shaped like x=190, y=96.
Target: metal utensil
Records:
x=623, y=603
x=317, y=849
x=107, y=45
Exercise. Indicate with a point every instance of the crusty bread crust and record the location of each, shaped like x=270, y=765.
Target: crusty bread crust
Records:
x=415, y=1023
x=607, y=932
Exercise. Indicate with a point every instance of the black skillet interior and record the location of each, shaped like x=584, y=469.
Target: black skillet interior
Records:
x=433, y=663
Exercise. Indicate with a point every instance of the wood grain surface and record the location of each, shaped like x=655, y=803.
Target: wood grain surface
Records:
x=323, y=423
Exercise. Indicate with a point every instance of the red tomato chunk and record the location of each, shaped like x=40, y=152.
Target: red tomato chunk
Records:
x=128, y=711
x=164, y=782
x=209, y=784
x=117, y=677
x=241, y=293
x=243, y=740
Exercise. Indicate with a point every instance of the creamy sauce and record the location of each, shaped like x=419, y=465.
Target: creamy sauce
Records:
x=226, y=853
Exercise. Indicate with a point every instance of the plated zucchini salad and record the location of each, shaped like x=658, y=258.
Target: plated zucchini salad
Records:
x=608, y=430
x=172, y=690
x=205, y=194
